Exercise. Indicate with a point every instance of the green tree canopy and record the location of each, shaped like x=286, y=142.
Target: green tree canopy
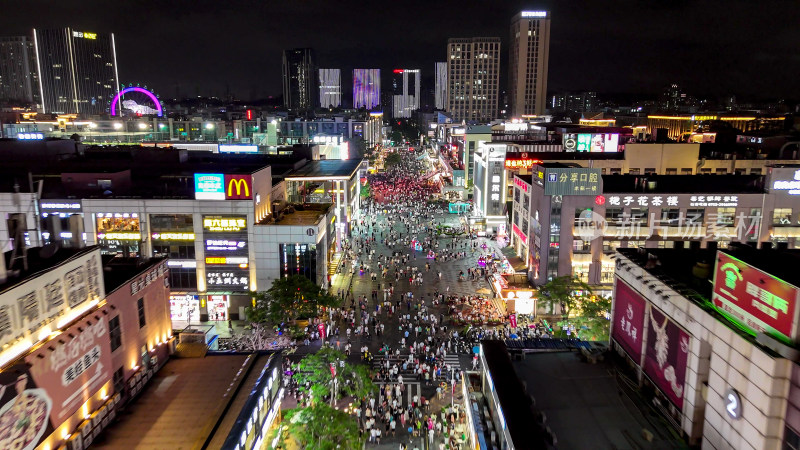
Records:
x=567, y=291
x=392, y=159
x=289, y=298
x=314, y=377
x=321, y=427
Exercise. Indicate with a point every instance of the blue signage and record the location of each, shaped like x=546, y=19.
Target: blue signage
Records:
x=209, y=186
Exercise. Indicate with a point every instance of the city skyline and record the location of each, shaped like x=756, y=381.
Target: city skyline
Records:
x=622, y=49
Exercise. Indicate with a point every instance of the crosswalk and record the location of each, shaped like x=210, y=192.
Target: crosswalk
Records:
x=406, y=398
x=454, y=361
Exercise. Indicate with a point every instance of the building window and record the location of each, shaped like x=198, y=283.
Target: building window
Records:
x=650, y=170
x=634, y=171
x=686, y=171
x=782, y=216
x=610, y=246
x=140, y=307
x=695, y=216
x=671, y=171
x=722, y=171
x=705, y=171
x=740, y=171
x=182, y=278
x=755, y=171
x=639, y=215
x=615, y=171
x=671, y=216
x=614, y=215
x=791, y=440
x=725, y=216
x=119, y=380
x=115, y=333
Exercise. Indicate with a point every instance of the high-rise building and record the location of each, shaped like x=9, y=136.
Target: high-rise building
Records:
x=579, y=102
x=405, y=89
x=366, y=88
x=299, y=79
x=330, y=88
x=19, y=82
x=473, y=78
x=528, y=55
x=77, y=70
x=440, y=94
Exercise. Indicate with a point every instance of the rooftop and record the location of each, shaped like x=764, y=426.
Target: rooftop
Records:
x=118, y=271
x=326, y=169
x=188, y=403
x=586, y=406
x=526, y=178
x=684, y=184
x=309, y=215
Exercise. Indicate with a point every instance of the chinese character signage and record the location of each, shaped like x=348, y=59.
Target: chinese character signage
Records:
x=224, y=224
x=573, y=181
x=628, y=326
x=516, y=161
x=666, y=356
x=238, y=187
x=53, y=382
x=209, y=186
x=755, y=299
x=227, y=246
x=27, y=307
x=228, y=279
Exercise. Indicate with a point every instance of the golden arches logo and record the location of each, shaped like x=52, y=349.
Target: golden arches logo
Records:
x=239, y=183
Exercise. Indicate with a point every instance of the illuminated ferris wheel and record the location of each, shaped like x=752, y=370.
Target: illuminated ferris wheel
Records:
x=135, y=101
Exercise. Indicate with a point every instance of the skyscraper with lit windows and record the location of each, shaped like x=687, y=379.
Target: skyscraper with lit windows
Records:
x=366, y=88
x=528, y=56
x=330, y=88
x=473, y=78
x=77, y=70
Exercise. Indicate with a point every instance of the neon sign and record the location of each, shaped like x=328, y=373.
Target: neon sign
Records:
x=792, y=186
x=238, y=187
x=116, y=99
x=174, y=236
x=514, y=164
x=224, y=224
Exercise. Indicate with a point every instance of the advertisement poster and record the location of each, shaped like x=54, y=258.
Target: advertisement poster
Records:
x=754, y=298
x=38, y=395
x=666, y=357
x=629, y=309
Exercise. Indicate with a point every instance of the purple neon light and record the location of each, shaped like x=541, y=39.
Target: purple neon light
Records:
x=135, y=89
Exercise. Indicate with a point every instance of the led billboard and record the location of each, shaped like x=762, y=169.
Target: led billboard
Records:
x=209, y=186
x=666, y=356
x=758, y=301
x=628, y=326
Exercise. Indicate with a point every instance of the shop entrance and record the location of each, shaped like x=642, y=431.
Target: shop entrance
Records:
x=218, y=307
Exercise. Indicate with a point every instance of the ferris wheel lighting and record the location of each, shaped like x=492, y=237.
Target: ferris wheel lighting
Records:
x=152, y=96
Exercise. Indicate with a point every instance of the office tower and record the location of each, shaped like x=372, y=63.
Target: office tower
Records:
x=366, y=88
x=330, y=88
x=77, y=70
x=405, y=88
x=473, y=78
x=440, y=94
x=529, y=52
x=19, y=82
x=299, y=79
x=579, y=102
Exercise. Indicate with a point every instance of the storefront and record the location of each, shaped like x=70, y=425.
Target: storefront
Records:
x=62, y=222
x=119, y=233
x=184, y=309
x=516, y=293
x=227, y=264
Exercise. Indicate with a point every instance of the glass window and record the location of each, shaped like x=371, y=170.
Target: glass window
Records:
x=610, y=246
x=722, y=171
x=171, y=222
x=671, y=171
x=633, y=171
x=782, y=216
x=740, y=171
x=755, y=171
x=686, y=171
x=140, y=307
x=182, y=278
x=614, y=215
x=639, y=215
x=725, y=216
x=650, y=170
x=671, y=216
x=115, y=333
x=695, y=215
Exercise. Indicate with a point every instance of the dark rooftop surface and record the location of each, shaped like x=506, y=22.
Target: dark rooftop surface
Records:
x=684, y=184
x=514, y=401
x=586, y=406
x=118, y=271
x=40, y=261
x=326, y=168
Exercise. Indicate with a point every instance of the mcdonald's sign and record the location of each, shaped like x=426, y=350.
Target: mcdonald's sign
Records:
x=238, y=187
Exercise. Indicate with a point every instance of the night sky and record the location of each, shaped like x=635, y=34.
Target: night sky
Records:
x=712, y=48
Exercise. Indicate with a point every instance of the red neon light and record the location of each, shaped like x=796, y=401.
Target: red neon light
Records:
x=398, y=70
x=600, y=200
x=521, y=163
x=249, y=114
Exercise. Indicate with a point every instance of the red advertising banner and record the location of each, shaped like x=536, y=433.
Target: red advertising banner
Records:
x=512, y=319
x=628, y=326
x=238, y=187
x=666, y=356
x=53, y=383
x=754, y=298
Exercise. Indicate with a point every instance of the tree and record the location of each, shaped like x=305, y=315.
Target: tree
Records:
x=357, y=147
x=315, y=377
x=321, y=427
x=566, y=292
x=288, y=299
x=392, y=159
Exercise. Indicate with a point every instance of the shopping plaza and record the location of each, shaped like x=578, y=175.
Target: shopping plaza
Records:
x=570, y=220
x=230, y=224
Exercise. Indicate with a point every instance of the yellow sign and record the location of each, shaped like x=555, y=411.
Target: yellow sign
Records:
x=224, y=224
x=241, y=261
x=174, y=236
x=238, y=183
